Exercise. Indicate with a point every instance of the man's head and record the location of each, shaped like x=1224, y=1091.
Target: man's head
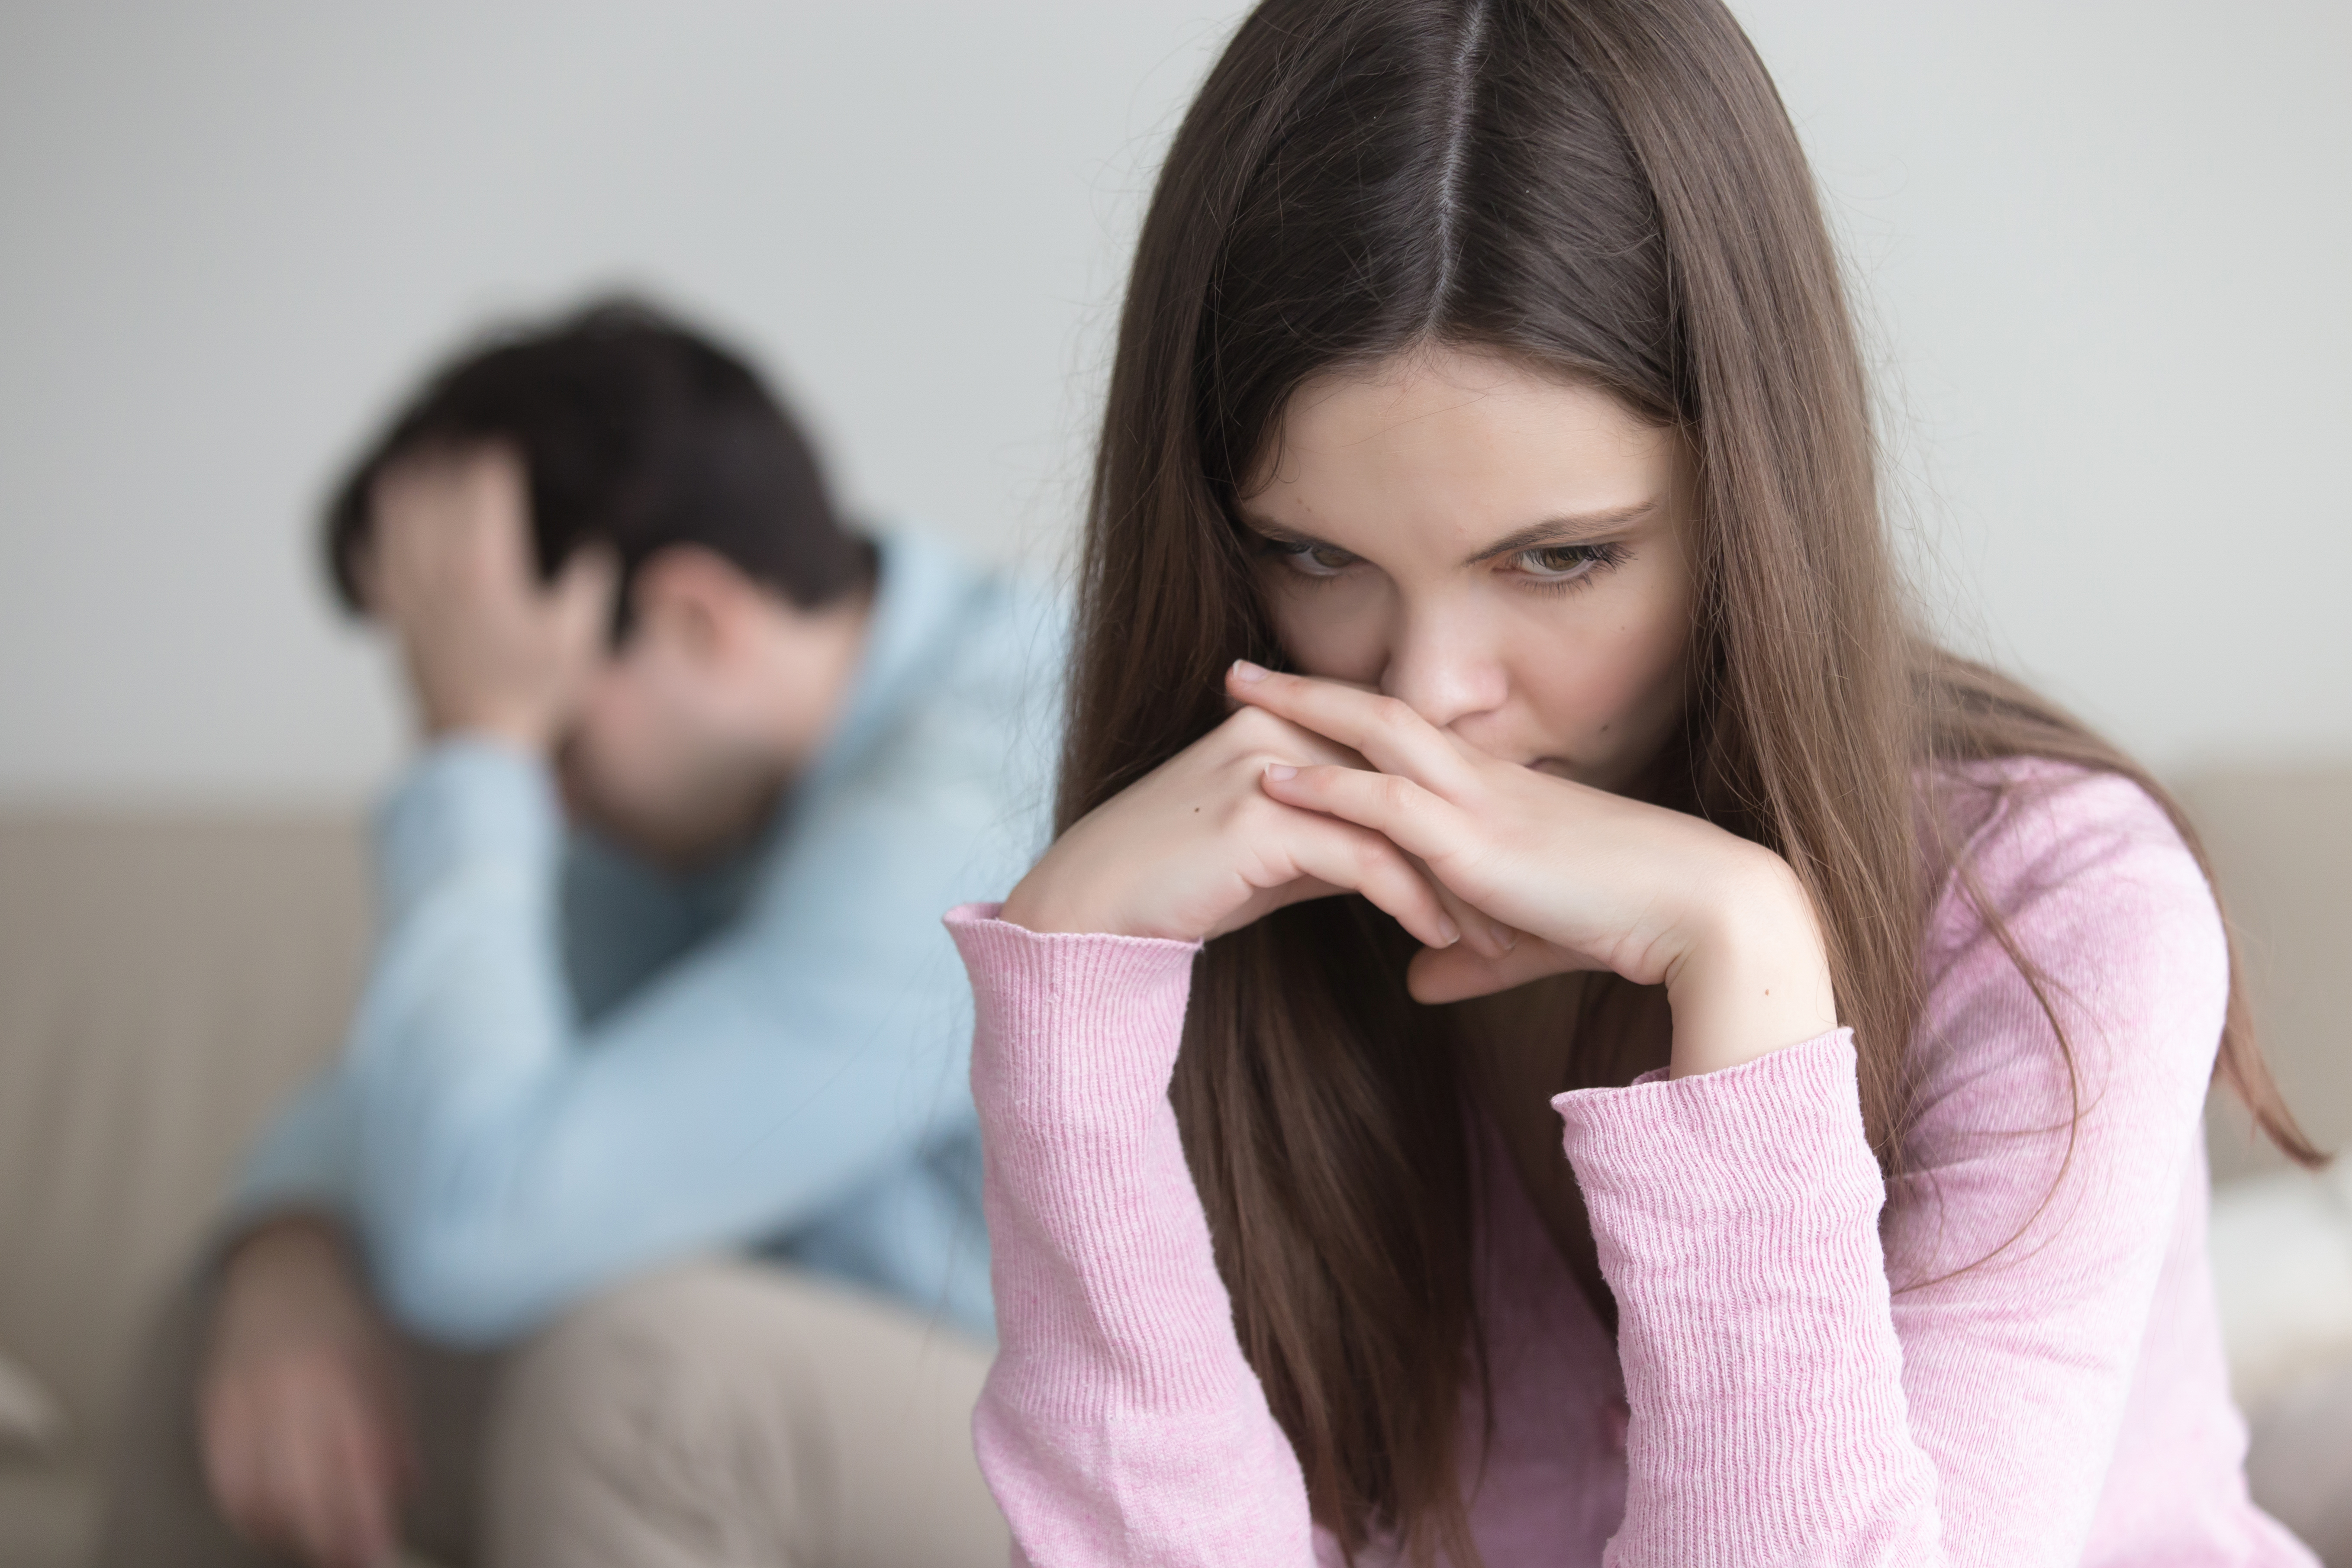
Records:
x=619, y=433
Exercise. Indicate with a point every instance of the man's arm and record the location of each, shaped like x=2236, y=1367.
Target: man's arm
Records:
x=509, y=1161
x=505, y=1161
x=303, y=1163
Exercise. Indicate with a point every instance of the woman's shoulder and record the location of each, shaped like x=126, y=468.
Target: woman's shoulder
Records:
x=2028, y=825
x=2026, y=828
x=2083, y=867
x=2077, y=979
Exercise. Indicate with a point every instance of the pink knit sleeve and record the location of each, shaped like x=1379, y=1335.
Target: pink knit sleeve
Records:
x=1788, y=1404
x=1120, y=1424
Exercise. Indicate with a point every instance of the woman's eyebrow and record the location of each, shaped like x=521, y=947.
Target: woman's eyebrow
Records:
x=1278, y=533
x=1562, y=531
x=1565, y=530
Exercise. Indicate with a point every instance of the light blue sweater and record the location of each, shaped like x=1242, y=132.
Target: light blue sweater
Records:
x=565, y=1067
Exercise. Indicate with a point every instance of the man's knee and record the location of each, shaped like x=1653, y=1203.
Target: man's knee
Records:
x=669, y=1416
x=725, y=1412
x=691, y=1347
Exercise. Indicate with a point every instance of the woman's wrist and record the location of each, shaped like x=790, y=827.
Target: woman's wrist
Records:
x=1037, y=903
x=1023, y=906
x=1756, y=978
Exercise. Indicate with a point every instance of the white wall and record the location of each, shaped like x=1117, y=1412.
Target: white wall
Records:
x=2105, y=247
x=2109, y=248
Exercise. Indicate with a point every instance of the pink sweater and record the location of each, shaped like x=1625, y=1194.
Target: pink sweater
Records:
x=1770, y=1398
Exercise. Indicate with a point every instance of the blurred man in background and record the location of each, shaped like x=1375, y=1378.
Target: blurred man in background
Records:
x=639, y=1222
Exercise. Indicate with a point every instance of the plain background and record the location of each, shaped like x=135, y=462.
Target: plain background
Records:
x=2102, y=250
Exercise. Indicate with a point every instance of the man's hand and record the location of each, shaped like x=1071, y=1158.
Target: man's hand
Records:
x=305, y=1448
x=449, y=570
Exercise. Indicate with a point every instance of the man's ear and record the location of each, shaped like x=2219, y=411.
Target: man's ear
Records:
x=694, y=597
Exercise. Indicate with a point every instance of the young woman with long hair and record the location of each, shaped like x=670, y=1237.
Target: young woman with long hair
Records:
x=1496, y=718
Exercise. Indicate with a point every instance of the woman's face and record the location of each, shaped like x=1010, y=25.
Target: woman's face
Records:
x=1504, y=550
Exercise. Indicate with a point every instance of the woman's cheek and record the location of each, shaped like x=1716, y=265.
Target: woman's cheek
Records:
x=1610, y=693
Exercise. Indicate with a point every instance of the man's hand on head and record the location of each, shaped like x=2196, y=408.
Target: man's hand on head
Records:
x=490, y=650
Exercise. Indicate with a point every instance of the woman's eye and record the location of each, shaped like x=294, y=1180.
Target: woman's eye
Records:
x=1554, y=562
x=1316, y=560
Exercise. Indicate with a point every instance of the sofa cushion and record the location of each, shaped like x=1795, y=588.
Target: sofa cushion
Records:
x=29, y=1419
x=47, y=1517
x=2281, y=840
x=2300, y=1461
x=2281, y=1252
x=164, y=983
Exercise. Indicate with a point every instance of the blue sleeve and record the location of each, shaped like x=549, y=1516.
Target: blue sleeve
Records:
x=508, y=1161
x=617, y=930
x=303, y=1160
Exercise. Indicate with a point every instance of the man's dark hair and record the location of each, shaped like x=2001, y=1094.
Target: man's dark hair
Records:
x=638, y=434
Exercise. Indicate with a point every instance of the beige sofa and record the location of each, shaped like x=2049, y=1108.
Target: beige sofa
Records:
x=164, y=982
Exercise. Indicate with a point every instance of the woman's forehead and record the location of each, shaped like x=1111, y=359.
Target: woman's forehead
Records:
x=1454, y=443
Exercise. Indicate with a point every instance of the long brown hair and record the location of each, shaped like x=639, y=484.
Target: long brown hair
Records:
x=1611, y=191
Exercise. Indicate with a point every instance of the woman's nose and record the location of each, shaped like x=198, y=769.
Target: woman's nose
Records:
x=1441, y=668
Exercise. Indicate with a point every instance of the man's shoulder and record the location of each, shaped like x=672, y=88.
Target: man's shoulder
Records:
x=967, y=601
x=970, y=635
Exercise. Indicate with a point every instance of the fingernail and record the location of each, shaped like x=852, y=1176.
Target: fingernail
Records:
x=1280, y=770
x=1244, y=670
x=1449, y=931
x=1505, y=937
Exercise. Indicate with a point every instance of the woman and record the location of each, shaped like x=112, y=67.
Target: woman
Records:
x=1491, y=655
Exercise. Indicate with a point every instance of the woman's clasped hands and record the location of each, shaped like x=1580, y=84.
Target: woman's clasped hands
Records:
x=1505, y=873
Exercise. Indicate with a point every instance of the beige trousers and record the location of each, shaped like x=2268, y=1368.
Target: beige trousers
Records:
x=707, y=1416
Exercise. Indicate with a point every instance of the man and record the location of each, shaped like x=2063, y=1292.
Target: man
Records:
x=478, y=1298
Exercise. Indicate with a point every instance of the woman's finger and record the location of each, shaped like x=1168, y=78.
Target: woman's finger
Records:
x=1421, y=823
x=1386, y=731
x=1480, y=931
x=1400, y=809
x=1357, y=861
x=1459, y=972
x=1255, y=731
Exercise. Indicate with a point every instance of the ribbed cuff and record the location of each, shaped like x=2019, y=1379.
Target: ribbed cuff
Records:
x=1779, y=1130
x=1069, y=1027
x=1735, y=1217
x=1102, y=1250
